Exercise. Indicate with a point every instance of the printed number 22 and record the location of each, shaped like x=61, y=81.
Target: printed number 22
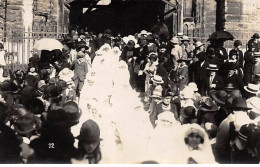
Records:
x=51, y=145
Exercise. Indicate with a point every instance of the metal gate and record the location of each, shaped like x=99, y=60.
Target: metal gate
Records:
x=19, y=45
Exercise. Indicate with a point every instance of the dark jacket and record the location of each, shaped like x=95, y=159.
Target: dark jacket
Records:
x=201, y=75
x=80, y=70
x=218, y=80
x=236, y=81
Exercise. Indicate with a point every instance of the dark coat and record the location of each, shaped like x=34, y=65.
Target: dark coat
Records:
x=127, y=54
x=80, y=69
x=161, y=71
x=218, y=80
x=236, y=81
x=201, y=75
x=183, y=72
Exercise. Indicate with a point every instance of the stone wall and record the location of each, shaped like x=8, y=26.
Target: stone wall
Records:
x=242, y=18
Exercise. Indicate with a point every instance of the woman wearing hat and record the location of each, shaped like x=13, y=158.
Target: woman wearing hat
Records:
x=88, y=143
x=234, y=78
x=176, y=51
x=237, y=51
x=183, y=73
x=186, y=49
x=255, y=41
x=249, y=63
x=150, y=70
x=194, y=145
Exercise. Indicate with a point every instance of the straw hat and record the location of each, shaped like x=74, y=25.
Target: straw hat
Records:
x=175, y=40
x=157, y=79
x=212, y=67
x=252, y=88
x=198, y=44
x=185, y=38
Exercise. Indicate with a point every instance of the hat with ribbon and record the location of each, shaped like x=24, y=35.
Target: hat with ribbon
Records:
x=212, y=67
x=157, y=79
x=89, y=131
x=206, y=104
x=230, y=86
x=252, y=88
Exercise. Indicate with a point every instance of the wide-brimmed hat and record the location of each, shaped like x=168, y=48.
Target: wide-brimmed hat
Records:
x=174, y=40
x=73, y=111
x=198, y=44
x=157, y=79
x=213, y=67
x=188, y=112
x=257, y=54
x=231, y=96
x=167, y=115
x=89, y=131
x=185, y=38
x=52, y=91
x=206, y=104
x=27, y=123
x=254, y=103
x=239, y=104
x=252, y=88
x=256, y=35
x=219, y=96
x=230, y=86
x=66, y=74
x=193, y=86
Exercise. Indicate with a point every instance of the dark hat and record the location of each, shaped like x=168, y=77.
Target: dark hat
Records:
x=53, y=81
x=253, y=142
x=188, y=112
x=107, y=31
x=52, y=91
x=230, y=86
x=212, y=67
x=231, y=96
x=130, y=43
x=256, y=35
x=211, y=51
x=206, y=104
x=57, y=117
x=81, y=44
x=219, y=96
x=245, y=132
x=27, y=123
x=239, y=104
x=237, y=43
x=1, y=46
x=28, y=93
x=73, y=111
x=62, y=84
x=6, y=85
x=89, y=131
x=150, y=38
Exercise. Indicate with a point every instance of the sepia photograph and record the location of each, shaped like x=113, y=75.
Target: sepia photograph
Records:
x=129, y=82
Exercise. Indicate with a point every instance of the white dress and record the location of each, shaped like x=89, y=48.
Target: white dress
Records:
x=2, y=58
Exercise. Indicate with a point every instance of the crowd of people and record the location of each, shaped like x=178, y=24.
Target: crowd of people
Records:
x=142, y=98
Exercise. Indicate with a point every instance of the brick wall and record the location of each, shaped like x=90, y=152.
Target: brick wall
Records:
x=242, y=18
